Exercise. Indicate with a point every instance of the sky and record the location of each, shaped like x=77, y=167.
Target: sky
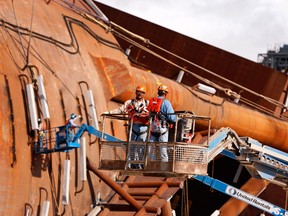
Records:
x=242, y=27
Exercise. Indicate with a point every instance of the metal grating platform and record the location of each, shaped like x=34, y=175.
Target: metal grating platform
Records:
x=183, y=159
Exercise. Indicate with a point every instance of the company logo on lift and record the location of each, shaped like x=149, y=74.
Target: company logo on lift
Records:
x=252, y=200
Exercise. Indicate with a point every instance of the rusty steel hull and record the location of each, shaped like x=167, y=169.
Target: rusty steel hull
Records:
x=73, y=55
x=64, y=61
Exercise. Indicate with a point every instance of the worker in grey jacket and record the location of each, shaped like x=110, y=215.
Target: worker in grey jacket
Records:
x=138, y=118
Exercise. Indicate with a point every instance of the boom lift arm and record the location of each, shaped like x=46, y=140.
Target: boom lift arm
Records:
x=261, y=161
x=61, y=139
x=91, y=130
x=192, y=159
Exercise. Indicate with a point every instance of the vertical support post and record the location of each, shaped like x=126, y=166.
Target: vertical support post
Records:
x=43, y=98
x=32, y=106
x=285, y=102
x=237, y=175
x=66, y=183
x=128, y=51
x=27, y=213
x=45, y=208
x=92, y=109
x=83, y=170
x=180, y=76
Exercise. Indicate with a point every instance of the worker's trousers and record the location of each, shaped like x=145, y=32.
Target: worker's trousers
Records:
x=139, y=133
x=162, y=138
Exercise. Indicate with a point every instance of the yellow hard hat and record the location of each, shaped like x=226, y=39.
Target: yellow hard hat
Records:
x=163, y=88
x=141, y=89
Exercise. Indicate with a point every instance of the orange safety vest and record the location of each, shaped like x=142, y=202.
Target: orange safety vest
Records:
x=155, y=105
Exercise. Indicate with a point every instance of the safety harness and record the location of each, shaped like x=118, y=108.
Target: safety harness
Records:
x=139, y=133
x=137, y=119
x=154, y=109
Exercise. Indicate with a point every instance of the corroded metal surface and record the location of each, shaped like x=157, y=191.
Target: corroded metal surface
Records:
x=43, y=38
x=235, y=68
x=268, y=130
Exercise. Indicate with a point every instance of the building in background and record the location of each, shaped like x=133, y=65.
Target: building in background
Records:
x=276, y=58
